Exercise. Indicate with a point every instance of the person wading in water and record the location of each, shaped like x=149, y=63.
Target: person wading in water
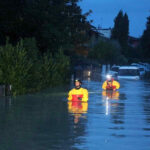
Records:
x=110, y=84
x=78, y=93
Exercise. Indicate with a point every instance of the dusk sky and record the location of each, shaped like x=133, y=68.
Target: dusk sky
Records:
x=105, y=11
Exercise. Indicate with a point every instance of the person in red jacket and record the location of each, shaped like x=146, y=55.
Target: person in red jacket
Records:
x=78, y=93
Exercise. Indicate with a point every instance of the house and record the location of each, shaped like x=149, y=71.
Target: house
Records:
x=105, y=32
x=133, y=41
x=93, y=38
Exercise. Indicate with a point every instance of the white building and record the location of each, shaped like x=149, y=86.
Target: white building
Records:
x=105, y=32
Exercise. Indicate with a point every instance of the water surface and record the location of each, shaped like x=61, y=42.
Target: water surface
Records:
x=46, y=121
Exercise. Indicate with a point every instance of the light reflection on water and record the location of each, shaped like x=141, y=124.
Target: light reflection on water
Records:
x=118, y=120
x=78, y=110
x=45, y=121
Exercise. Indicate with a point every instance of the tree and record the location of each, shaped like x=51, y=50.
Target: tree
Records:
x=126, y=29
x=107, y=52
x=10, y=19
x=53, y=23
x=116, y=32
x=121, y=29
x=145, y=40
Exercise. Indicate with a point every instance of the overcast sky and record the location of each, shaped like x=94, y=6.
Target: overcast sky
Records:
x=104, y=12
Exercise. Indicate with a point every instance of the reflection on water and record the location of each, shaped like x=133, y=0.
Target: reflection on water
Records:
x=47, y=121
x=146, y=105
x=77, y=109
x=108, y=98
x=111, y=95
x=35, y=123
x=116, y=120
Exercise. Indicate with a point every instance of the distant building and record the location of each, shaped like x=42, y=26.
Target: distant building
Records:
x=105, y=32
x=93, y=38
x=95, y=35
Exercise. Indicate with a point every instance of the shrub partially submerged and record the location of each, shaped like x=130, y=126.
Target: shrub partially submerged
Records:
x=28, y=72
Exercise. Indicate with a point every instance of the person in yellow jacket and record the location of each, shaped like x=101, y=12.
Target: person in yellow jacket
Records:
x=110, y=84
x=78, y=93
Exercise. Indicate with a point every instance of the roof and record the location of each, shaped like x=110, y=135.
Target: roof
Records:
x=128, y=67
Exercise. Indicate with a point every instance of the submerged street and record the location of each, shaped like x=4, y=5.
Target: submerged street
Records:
x=120, y=120
x=59, y=59
x=46, y=121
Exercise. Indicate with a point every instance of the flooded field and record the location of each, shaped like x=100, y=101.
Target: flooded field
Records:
x=46, y=121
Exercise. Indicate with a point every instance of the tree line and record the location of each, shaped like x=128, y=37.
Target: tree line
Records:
x=53, y=23
x=37, y=41
x=39, y=38
x=117, y=50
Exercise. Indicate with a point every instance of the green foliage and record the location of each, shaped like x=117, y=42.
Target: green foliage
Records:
x=107, y=52
x=54, y=70
x=27, y=72
x=31, y=47
x=121, y=29
x=53, y=23
x=62, y=66
x=145, y=41
x=15, y=67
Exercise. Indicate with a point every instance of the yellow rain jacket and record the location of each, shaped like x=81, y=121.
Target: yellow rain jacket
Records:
x=110, y=85
x=78, y=95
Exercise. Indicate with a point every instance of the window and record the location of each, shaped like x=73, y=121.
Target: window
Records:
x=128, y=72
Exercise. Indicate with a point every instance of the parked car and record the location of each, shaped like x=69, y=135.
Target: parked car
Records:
x=142, y=71
x=129, y=72
x=142, y=68
x=114, y=71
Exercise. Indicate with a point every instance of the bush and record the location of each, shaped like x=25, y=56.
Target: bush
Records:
x=54, y=70
x=107, y=52
x=15, y=67
x=28, y=72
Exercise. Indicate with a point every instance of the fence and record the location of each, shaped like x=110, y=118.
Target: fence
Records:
x=5, y=90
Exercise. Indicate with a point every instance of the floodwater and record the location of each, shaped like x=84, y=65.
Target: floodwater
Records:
x=109, y=121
